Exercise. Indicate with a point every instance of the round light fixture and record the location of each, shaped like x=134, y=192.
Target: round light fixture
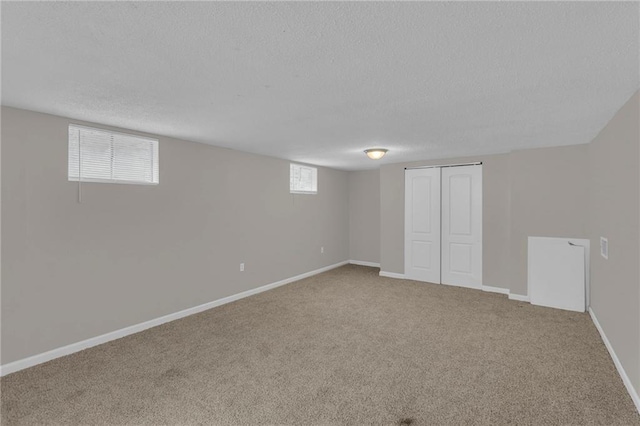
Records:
x=375, y=153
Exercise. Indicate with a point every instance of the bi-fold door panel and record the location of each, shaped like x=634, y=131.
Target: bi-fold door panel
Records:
x=422, y=225
x=462, y=226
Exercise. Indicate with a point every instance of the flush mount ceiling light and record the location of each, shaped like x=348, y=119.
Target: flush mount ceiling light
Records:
x=375, y=153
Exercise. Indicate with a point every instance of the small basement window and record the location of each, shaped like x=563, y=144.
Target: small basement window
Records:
x=97, y=155
x=303, y=179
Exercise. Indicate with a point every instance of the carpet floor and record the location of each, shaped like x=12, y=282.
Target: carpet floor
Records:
x=342, y=347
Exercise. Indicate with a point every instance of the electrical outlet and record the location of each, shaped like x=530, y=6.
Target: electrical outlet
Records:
x=242, y=267
x=322, y=250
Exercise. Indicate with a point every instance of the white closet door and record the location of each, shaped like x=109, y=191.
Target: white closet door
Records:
x=462, y=226
x=422, y=225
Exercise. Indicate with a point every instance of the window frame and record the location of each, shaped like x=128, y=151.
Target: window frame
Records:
x=315, y=173
x=155, y=157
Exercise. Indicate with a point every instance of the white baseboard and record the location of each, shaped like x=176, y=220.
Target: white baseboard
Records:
x=104, y=338
x=616, y=362
x=495, y=289
x=363, y=263
x=518, y=297
x=392, y=275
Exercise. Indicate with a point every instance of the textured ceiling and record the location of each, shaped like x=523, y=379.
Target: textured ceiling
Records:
x=320, y=82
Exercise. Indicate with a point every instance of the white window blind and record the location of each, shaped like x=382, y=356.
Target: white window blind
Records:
x=97, y=155
x=303, y=179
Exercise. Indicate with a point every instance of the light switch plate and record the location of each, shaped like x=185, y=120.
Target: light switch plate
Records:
x=604, y=247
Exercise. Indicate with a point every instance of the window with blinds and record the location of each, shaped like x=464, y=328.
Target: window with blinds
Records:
x=97, y=155
x=303, y=179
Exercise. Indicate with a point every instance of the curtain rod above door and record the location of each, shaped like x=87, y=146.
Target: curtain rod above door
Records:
x=445, y=165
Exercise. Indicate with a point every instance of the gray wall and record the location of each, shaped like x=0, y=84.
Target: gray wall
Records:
x=364, y=216
x=132, y=253
x=614, y=160
x=548, y=198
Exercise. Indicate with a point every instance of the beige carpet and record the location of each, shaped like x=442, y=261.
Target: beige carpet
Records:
x=343, y=347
